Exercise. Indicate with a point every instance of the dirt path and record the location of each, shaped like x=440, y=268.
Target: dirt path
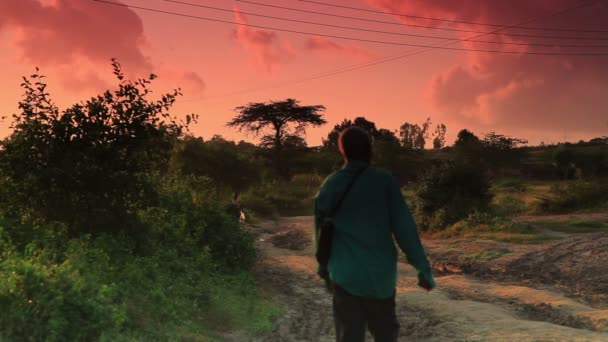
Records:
x=463, y=308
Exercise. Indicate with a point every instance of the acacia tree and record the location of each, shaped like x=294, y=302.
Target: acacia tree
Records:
x=280, y=122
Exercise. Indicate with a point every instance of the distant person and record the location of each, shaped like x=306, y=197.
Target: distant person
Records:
x=362, y=266
x=234, y=209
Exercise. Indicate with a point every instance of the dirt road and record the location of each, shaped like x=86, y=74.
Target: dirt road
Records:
x=463, y=308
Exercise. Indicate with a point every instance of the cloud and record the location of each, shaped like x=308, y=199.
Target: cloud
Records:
x=56, y=32
x=193, y=82
x=190, y=82
x=268, y=51
x=320, y=44
x=74, y=40
x=536, y=93
x=80, y=80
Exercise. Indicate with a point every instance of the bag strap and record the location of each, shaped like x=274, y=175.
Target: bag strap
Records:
x=350, y=185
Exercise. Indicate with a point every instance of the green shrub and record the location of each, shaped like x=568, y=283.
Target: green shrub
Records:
x=99, y=241
x=449, y=192
x=573, y=196
x=104, y=288
x=116, y=287
x=55, y=302
x=192, y=226
x=88, y=165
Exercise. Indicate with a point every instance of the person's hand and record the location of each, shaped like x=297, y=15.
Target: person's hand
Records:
x=426, y=281
x=425, y=285
x=323, y=273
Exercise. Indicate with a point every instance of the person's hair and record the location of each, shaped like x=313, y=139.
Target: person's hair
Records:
x=235, y=196
x=355, y=143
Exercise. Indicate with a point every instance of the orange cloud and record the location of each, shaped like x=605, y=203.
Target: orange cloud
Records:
x=193, y=82
x=54, y=33
x=268, y=51
x=540, y=93
x=319, y=44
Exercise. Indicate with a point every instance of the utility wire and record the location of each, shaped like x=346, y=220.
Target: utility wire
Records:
x=413, y=25
x=545, y=53
x=443, y=19
x=380, y=31
x=378, y=61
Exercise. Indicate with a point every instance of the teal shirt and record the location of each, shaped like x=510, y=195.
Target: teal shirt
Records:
x=364, y=257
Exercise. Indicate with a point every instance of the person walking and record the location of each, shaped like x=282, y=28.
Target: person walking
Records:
x=358, y=210
x=234, y=209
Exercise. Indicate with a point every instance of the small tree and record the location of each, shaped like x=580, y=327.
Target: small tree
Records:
x=280, y=121
x=439, y=139
x=414, y=136
x=465, y=138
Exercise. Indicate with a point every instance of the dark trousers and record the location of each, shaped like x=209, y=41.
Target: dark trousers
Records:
x=353, y=315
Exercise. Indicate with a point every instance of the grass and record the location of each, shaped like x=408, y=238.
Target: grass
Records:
x=487, y=255
x=485, y=226
x=236, y=300
x=577, y=225
x=517, y=238
x=513, y=197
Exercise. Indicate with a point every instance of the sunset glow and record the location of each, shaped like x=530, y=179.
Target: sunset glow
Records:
x=220, y=66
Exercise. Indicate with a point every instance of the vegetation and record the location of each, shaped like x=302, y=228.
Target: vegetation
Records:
x=573, y=196
x=448, y=192
x=488, y=226
x=113, y=223
x=100, y=239
x=576, y=225
x=278, y=116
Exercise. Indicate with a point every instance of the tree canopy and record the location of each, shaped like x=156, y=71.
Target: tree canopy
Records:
x=281, y=123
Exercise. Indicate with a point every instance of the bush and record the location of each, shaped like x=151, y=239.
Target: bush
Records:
x=193, y=226
x=99, y=242
x=449, y=192
x=86, y=166
x=57, y=301
x=574, y=195
x=105, y=287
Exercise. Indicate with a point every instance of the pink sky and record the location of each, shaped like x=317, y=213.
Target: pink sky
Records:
x=541, y=98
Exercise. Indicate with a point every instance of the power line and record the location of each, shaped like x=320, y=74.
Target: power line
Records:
x=443, y=19
x=543, y=53
x=418, y=26
x=381, y=61
x=380, y=31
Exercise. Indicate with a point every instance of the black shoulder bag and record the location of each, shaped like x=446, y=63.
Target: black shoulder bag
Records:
x=326, y=234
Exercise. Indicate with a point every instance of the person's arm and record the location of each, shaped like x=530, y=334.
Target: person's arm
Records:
x=406, y=234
